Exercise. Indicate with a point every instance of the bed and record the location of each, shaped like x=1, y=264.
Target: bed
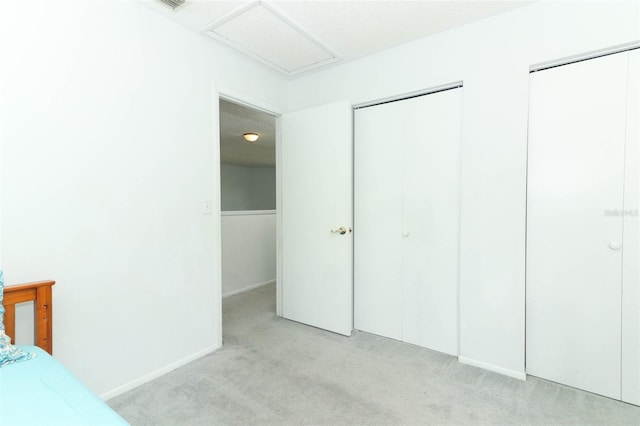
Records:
x=40, y=391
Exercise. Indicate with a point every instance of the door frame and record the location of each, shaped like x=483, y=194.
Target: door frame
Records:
x=256, y=104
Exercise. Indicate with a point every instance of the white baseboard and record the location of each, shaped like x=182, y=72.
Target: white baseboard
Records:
x=520, y=375
x=157, y=373
x=251, y=287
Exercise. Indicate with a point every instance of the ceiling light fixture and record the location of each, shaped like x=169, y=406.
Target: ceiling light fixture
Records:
x=251, y=137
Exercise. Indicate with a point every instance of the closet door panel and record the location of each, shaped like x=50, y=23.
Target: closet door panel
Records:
x=377, y=222
x=432, y=194
x=631, y=244
x=574, y=235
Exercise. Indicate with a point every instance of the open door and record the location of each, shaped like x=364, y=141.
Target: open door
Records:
x=317, y=202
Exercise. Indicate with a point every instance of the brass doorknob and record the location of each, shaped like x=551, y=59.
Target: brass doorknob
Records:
x=342, y=230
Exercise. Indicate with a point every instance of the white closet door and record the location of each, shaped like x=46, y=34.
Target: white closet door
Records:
x=406, y=219
x=431, y=127
x=317, y=170
x=574, y=235
x=631, y=252
x=378, y=168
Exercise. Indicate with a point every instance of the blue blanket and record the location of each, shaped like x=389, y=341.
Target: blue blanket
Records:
x=43, y=392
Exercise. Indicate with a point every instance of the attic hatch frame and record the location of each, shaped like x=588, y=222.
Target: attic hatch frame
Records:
x=210, y=30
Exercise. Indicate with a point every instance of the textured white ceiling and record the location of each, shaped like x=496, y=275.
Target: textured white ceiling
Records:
x=277, y=32
x=236, y=120
x=358, y=28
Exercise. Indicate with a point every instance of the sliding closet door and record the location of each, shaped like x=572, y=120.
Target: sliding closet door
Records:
x=574, y=223
x=407, y=219
x=431, y=220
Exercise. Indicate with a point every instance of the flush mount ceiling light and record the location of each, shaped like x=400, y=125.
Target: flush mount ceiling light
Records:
x=251, y=137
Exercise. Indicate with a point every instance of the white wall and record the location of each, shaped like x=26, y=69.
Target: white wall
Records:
x=247, y=188
x=108, y=125
x=107, y=129
x=248, y=250
x=492, y=57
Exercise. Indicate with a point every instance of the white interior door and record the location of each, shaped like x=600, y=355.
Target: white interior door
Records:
x=317, y=198
x=574, y=223
x=407, y=219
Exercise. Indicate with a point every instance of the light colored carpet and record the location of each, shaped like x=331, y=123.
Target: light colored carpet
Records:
x=277, y=372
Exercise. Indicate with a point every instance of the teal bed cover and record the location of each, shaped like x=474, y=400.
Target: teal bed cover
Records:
x=42, y=392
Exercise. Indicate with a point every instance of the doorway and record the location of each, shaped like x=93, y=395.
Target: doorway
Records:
x=247, y=198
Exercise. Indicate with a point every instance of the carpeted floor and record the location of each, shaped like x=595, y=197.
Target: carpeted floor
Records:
x=277, y=372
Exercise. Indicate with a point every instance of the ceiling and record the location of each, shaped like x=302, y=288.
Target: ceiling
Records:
x=303, y=36
x=298, y=37
x=236, y=120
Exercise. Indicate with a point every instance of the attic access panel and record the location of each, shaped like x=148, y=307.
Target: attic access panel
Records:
x=265, y=35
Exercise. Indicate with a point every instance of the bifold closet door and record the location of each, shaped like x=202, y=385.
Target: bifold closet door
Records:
x=575, y=215
x=631, y=241
x=432, y=220
x=406, y=219
x=378, y=219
